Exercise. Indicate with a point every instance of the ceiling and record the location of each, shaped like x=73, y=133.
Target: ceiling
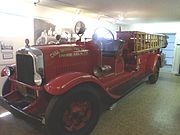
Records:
x=124, y=11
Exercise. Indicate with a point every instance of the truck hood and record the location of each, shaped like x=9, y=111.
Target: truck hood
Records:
x=64, y=50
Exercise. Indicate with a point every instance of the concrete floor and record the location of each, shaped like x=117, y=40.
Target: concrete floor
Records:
x=147, y=110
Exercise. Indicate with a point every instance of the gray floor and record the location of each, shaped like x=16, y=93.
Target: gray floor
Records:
x=167, y=69
x=147, y=110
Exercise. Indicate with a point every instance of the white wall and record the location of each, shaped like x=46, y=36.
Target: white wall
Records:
x=173, y=27
x=14, y=27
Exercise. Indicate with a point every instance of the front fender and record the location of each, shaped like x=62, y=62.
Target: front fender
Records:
x=65, y=82
x=151, y=63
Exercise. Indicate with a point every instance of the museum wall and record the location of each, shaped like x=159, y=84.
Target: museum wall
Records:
x=18, y=20
x=163, y=28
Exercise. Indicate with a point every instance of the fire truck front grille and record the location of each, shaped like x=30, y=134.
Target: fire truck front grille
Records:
x=25, y=69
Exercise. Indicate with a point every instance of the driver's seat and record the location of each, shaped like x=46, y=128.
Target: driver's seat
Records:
x=111, y=50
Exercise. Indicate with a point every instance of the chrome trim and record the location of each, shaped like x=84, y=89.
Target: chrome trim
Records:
x=37, y=56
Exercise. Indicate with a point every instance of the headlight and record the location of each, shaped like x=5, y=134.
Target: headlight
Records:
x=37, y=79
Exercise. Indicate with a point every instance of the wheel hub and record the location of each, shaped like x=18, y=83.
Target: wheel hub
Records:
x=77, y=115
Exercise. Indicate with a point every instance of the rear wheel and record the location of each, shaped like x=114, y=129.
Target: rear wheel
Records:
x=154, y=77
x=75, y=113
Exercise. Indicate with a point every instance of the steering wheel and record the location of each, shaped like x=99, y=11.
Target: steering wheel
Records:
x=103, y=35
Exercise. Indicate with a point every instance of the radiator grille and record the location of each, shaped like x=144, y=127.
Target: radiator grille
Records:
x=25, y=69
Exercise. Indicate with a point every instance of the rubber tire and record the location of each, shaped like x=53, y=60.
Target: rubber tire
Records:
x=154, y=77
x=58, y=105
x=6, y=87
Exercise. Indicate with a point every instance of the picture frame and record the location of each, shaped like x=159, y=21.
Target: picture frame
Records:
x=8, y=55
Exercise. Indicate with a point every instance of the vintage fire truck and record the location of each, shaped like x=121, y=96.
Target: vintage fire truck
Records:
x=66, y=85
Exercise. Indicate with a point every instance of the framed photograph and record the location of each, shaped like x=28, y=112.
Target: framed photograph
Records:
x=6, y=46
x=7, y=55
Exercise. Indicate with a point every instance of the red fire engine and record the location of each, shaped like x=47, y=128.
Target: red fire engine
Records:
x=66, y=85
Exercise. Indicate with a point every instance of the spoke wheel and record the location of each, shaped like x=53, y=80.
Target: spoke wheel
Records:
x=154, y=77
x=75, y=113
x=103, y=35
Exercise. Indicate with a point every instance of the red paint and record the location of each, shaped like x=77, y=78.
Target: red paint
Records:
x=3, y=72
x=70, y=80
x=37, y=105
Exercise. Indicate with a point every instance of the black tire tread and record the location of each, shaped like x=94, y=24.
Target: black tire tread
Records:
x=152, y=78
x=61, y=100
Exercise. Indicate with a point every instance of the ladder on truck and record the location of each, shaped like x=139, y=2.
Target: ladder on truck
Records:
x=143, y=42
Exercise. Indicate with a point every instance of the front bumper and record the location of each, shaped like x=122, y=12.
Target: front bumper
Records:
x=19, y=113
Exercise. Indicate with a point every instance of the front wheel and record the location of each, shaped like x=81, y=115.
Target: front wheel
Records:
x=154, y=77
x=75, y=113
